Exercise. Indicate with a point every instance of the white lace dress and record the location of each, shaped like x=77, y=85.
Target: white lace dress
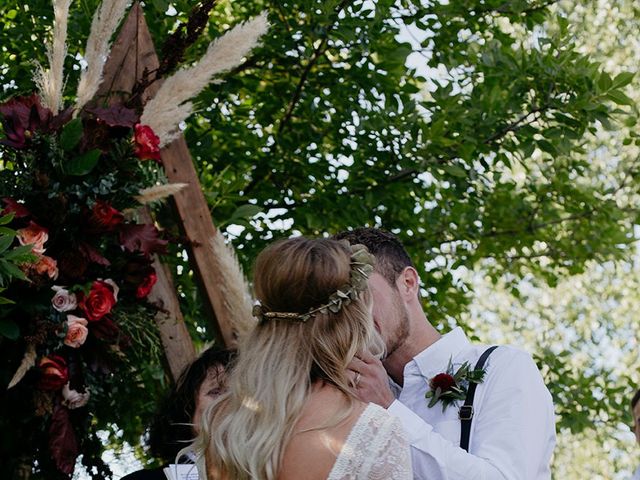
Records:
x=375, y=449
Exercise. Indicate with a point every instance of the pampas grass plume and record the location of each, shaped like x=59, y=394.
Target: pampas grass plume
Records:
x=158, y=192
x=50, y=82
x=28, y=361
x=170, y=106
x=234, y=288
x=105, y=21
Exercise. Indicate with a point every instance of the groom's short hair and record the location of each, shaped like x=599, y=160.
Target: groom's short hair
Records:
x=391, y=256
x=635, y=400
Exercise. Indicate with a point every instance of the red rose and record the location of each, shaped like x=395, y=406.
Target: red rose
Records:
x=147, y=143
x=147, y=284
x=105, y=217
x=54, y=373
x=99, y=302
x=443, y=381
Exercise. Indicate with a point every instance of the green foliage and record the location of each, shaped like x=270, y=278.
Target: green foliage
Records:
x=10, y=261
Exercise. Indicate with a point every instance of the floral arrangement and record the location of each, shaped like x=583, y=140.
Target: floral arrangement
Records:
x=69, y=187
x=75, y=262
x=449, y=387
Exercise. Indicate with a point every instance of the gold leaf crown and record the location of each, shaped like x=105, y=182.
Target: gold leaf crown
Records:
x=361, y=263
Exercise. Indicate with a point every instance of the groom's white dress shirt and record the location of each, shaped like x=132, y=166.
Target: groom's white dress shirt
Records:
x=636, y=474
x=513, y=429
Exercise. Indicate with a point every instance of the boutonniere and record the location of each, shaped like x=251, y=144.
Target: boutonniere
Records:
x=449, y=386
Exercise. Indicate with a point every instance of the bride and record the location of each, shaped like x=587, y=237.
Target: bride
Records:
x=290, y=412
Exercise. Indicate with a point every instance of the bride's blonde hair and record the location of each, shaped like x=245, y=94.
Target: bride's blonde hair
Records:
x=245, y=432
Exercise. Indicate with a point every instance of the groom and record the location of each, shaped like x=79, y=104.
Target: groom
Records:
x=512, y=428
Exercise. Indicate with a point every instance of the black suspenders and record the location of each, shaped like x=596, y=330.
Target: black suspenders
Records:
x=466, y=410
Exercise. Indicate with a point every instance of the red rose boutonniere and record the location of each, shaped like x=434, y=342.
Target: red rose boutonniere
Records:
x=449, y=387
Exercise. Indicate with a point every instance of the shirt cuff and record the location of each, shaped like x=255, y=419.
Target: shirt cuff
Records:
x=414, y=426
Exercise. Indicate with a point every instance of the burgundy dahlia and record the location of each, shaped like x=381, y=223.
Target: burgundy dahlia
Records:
x=443, y=381
x=21, y=117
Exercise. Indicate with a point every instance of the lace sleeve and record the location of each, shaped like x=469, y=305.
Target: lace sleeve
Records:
x=393, y=458
x=376, y=449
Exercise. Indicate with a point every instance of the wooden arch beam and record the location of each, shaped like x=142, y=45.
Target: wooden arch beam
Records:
x=132, y=54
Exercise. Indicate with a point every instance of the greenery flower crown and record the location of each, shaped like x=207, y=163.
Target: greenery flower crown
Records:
x=362, y=263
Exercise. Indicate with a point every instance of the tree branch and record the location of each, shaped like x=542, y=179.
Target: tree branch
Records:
x=317, y=53
x=533, y=227
x=518, y=123
x=504, y=8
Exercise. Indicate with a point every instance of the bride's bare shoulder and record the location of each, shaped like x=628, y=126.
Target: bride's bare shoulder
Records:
x=320, y=434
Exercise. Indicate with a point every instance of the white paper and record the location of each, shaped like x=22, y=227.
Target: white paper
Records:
x=181, y=472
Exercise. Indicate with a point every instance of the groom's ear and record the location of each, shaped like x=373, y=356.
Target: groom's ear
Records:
x=408, y=283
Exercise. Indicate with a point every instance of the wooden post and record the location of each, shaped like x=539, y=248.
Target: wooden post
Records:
x=122, y=70
x=133, y=52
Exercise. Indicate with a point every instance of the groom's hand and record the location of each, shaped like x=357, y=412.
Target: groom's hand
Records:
x=370, y=380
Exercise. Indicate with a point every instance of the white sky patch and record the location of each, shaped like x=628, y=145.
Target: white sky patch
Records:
x=171, y=11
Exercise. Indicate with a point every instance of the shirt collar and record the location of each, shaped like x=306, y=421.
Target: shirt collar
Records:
x=435, y=358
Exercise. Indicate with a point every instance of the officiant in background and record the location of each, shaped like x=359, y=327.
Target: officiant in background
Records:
x=173, y=427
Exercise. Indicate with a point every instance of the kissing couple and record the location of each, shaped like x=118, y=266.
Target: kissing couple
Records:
x=344, y=377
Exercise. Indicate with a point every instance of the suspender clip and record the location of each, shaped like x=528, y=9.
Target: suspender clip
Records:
x=466, y=412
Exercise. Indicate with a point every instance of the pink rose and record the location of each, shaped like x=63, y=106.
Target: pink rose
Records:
x=34, y=235
x=146, y=143
x=76, y=331
x=63, y=300
x=46, y=265
x=73, y=399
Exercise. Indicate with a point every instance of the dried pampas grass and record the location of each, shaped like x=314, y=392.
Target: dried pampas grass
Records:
x=104, y=24
x=158, y=192
x=28, y=361
x=233, y=285
x=50, y=82
x=170, y=106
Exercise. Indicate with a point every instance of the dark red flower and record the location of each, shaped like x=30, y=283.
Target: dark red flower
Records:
x=115, y=115
x=12, y=206
x=144, y=238
x=98, y=302
x=21, y=116
x=105, y=217
x=53, y=372
x=443, y=381
x=147, y=284
x=62, y=440
x=147, y=143
x=72, y=263
x=105, y=330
